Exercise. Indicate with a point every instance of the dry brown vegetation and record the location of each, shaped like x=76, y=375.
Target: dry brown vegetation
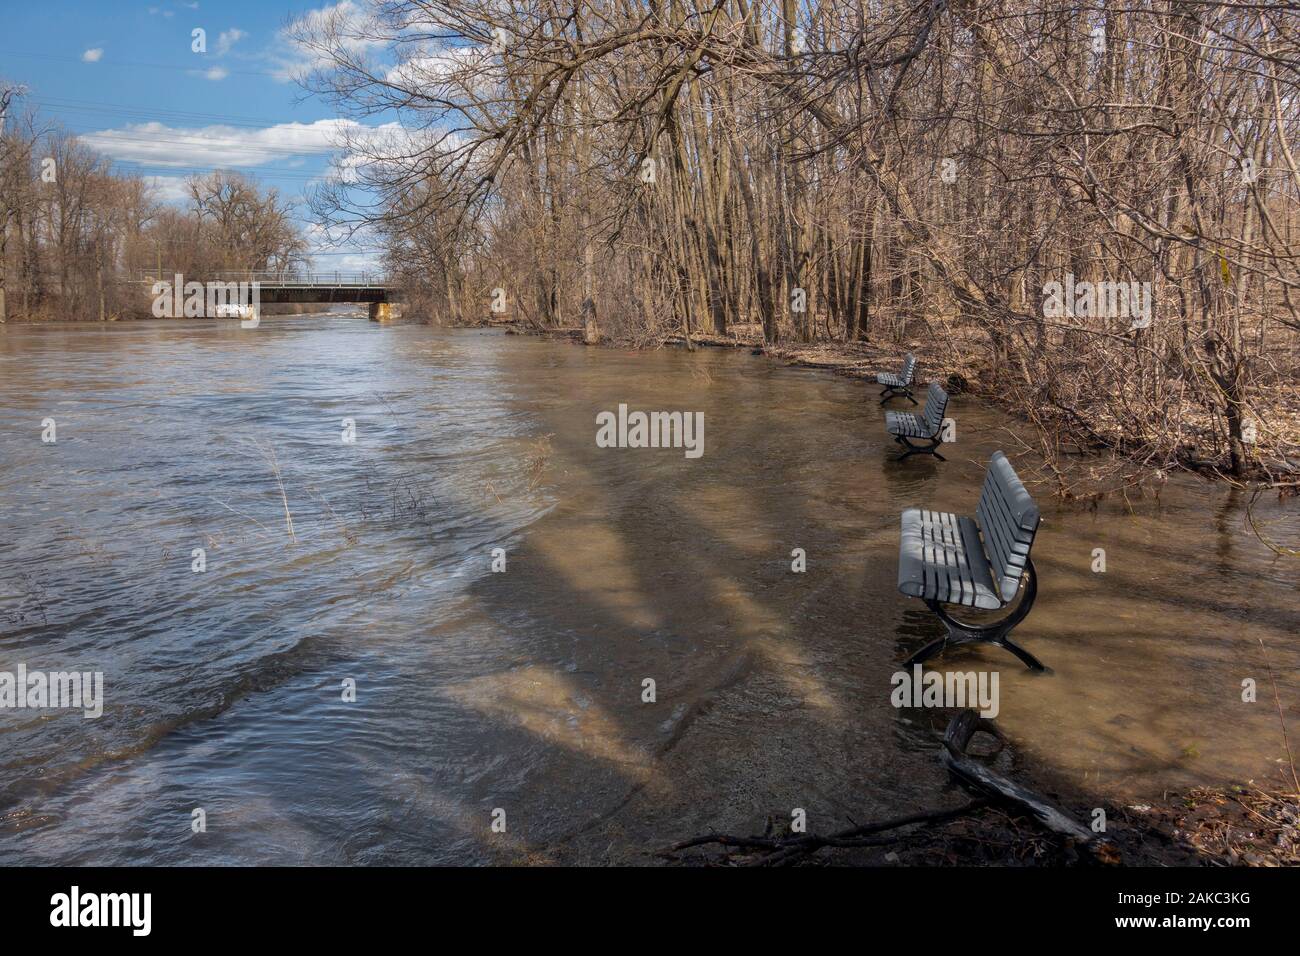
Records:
x=859, y=170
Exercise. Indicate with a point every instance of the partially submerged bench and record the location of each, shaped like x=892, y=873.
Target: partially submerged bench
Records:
x=976, y=563
x=900, y=384
x=926, y=426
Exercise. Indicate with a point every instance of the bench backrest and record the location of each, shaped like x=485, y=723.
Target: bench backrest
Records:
x=936, y=403
x=909, y=368
x=1008, y=520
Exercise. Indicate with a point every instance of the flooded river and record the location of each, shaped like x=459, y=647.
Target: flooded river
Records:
x=202, y=531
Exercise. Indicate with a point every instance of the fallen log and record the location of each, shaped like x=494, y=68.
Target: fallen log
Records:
x=990, y=783
x=990, y=786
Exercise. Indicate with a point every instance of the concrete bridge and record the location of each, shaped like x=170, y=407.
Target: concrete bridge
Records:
x=277, y=288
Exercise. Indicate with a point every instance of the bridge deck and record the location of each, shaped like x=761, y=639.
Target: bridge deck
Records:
x=282, y=287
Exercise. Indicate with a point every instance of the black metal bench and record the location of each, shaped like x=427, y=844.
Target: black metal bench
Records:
x=947, y=559
x=900, y=384
x=926, y=426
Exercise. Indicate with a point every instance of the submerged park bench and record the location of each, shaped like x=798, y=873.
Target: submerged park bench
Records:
x=900, y=384
x=926, y=426
x=977, y=563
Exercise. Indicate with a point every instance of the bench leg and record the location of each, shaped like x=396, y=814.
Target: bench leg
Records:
x=929, y=449
x=996, y=633
x=937, y=646
x=891, y=392
x=1029, y=660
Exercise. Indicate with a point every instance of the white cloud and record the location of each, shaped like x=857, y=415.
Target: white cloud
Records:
x=437, y=70
x=216, y=73
x=352, y=263
x=168, y=188
x=92, y=55
x=228, y=38
x=161, y=145
x=353, y=27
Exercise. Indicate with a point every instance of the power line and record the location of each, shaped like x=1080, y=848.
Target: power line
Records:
x=180, y=240
x=100, y=143
x=192, y=142
x=156, y=169
x=198, y=139
x=138, y=64
x=54, y=102
x=229, y=119
x=181, y=140
x=181, y=169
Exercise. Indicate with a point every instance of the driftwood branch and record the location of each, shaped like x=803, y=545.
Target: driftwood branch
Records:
x=989, y=782
x=991, y=786
x=779, y=851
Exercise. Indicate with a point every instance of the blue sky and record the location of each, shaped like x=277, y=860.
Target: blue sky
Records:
x=121, y=74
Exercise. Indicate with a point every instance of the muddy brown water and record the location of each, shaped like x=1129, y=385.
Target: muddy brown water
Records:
x=523, y=691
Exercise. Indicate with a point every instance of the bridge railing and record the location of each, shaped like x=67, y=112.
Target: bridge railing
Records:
x=288, y=279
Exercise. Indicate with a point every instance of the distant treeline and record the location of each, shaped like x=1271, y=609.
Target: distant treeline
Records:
x=71, y=229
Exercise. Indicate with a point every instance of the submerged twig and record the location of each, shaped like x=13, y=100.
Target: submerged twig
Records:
x=1254, y=527
x=1286, y=740
x=242, y=515
x=268, y=453
x=279, y=480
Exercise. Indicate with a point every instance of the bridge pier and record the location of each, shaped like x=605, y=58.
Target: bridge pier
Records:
x=382, y=311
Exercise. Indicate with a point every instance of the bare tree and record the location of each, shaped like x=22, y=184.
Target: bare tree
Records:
x=866, y=170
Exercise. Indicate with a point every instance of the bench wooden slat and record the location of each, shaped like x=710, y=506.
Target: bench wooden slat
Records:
x=977, y=563
x=926, y=425
x=1008, y=520
x=942, y=559
x=936, y=403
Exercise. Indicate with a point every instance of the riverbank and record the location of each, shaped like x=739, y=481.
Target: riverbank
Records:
x=1250, y=824
x=1207, y=827
x=1113, y=462
x=1241, y=825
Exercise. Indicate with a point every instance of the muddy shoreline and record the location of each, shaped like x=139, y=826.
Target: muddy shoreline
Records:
x=1208, y=827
